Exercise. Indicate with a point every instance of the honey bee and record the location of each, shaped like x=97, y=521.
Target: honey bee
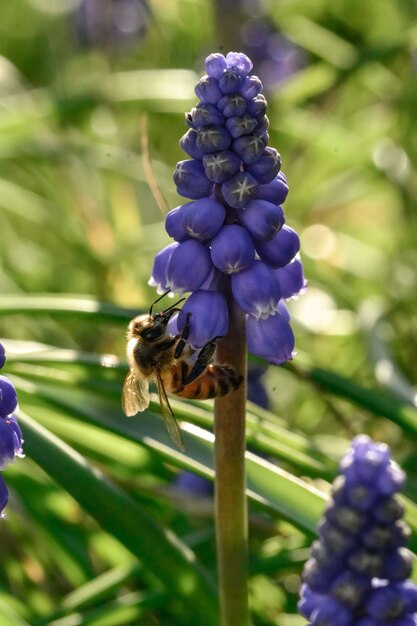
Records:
x=153, y=354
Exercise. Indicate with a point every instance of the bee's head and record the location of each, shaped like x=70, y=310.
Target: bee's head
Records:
x=151, y=327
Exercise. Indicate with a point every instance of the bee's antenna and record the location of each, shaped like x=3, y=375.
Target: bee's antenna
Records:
x=157, y=300
x=174, y=305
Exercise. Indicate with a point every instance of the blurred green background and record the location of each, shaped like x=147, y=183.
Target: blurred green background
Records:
x=92, y=97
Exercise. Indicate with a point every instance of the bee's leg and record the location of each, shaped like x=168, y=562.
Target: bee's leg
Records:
x=165, y=345
x=204, y=359
x=183, y=337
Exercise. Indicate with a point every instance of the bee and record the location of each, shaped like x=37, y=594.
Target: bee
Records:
x=155, y=355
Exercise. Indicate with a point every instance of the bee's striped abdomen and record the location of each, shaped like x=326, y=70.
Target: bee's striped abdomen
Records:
x=216, y=380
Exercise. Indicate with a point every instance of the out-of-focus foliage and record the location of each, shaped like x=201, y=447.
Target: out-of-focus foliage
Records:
x=96, y=531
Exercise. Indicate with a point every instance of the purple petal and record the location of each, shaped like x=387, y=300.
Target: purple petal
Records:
x=8, y=397
x=158, y=277
x=188, y=143
x=267, y=167
x=202, y=219
x=251, y=87
x=212, y=139
x=188, y=267
x=209, y=317
x=281, y=249
x=232, y=105
x=291, y=279
x=249, y=148
x=191, y=180
x=239, y=62
x=206, y=114
x=271, y=338
x=220, y=166
x=232, y=249
x=174, y=224
x=238, y=126
x=2, y=356
x=208, y=90
x=262, y=219
x=230, y=81
x=275, y=191
x=10, y=441
x=215, y=64
x=256, y=290
x=239, y=190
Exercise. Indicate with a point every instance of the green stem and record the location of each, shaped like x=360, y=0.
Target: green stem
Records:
x=230, y=500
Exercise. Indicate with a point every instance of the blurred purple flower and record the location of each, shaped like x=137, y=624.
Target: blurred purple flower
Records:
x=358, y=570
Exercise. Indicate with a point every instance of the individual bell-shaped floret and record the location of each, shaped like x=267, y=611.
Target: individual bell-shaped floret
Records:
x=206, y=114
x=232, y=249
x=8, y=397
x=232, y=105
x=10, y=441
x=158, y=277
x=201, y=219
x=291, y=279
x=275, y=191
x=256, y=290
x=271, y=339
x=191, y=180
x=216, y=64
x=249, y=148
x=188, y=267
x=262, y=219
x=188, y=143
x=239, y=62
x=213, y=139
x=239, y=190
x=209, y=317
x=219, y=166
x=242, y=125
x=280, y=250
x=230, y=81
x=266, y=169
x=2, y=356
x=208, y=90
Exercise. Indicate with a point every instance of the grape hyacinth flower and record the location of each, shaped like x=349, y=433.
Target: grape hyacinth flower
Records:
x=359, y=567
x=232, y=231
x=10, y=434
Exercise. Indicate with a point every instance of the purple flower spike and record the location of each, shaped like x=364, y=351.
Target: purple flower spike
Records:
x=291, y=279
x=8, y=397
x=275, y=191
x=191, y=180
x=271, y=338
x=10, y=441
x=220, y=166
x=239, y=62
x=209, y=317
x=262, y=219
x=256, y=290
x=202, y=219
x=2, y=356
x=4, y=496
x=208, y=90
x=232, y=250
x=239, y=190
x=188, y=267
x=236, y=225
x=281, y=249
x=267, y=167
x=215, y=65
x=361, y=549
x=158, y=277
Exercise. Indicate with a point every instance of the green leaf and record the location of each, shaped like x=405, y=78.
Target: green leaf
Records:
x=120, y=515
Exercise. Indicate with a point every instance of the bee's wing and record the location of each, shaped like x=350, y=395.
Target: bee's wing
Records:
x=167, y=414
x=135, y=395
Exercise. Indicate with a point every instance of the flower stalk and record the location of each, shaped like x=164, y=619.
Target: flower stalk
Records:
x=230, y=499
